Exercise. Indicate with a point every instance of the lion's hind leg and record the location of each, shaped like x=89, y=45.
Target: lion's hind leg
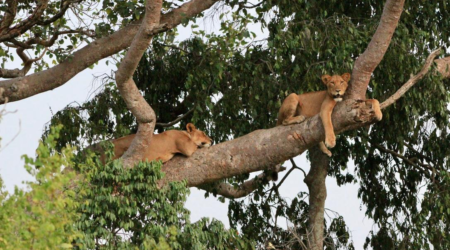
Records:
x=294, y=120
x=290, y=111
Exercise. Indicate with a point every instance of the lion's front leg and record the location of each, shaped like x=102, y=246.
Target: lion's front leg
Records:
x=325, y=115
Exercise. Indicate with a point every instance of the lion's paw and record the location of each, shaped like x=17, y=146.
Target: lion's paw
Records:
x=325, y=150
x=330, y=141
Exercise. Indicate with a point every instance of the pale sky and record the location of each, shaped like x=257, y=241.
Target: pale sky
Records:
x=34, y=112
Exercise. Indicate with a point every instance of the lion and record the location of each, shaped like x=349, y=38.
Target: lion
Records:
x=165, y=145
x=296, y=108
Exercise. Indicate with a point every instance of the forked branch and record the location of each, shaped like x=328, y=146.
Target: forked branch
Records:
x=135, y=102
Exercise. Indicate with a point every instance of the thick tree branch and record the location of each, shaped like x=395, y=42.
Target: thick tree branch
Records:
x=369, y=60
x=24, y=87
x=263, y=149
x=413, y=80
x=135, y=102
x=229, y=191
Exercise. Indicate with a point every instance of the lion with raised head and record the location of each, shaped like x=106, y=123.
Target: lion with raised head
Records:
x=296, y=108
x=165, y=145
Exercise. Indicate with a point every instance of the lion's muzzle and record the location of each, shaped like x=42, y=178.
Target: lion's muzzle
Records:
x=337, y=97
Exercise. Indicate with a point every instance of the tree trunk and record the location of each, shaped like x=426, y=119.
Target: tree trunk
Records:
x=315, y=180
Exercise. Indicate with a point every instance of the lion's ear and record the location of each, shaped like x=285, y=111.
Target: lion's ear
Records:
x=190, y=127
x=326, y=79
x=346, y=76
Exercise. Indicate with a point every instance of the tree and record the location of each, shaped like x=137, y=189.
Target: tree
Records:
x=381, y=43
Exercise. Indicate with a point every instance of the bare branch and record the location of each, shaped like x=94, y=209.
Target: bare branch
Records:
x=14, y=137
x=174, y=121
x=232, y=192
x=413, y=80
x=286, y=176
x=3, y=112
x=372, y=56
x=297, y=167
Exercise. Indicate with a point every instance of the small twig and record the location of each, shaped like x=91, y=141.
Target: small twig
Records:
x=413, y=80
x=4, y=112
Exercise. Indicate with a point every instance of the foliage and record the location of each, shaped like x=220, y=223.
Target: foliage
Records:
x=125, y=209
x=43, y=216
x=235, y=85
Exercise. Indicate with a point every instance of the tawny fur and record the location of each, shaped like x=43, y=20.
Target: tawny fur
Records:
x=165, y=145
x=296, y=108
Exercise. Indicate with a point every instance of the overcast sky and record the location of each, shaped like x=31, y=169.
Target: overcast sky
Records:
x=25, y=127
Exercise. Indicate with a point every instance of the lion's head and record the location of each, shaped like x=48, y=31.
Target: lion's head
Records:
x=198, y=137
x=336, y=85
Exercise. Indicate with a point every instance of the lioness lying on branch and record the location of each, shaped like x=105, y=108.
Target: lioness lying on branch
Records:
x=296, y=108
x=165, y=145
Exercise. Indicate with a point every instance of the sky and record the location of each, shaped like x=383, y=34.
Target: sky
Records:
x=21, y=130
